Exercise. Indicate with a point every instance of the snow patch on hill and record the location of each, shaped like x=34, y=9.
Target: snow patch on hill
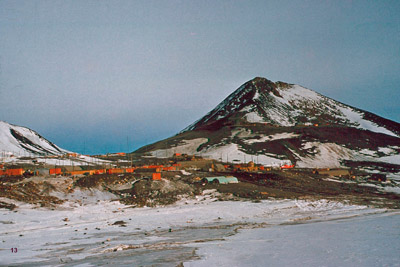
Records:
x=329, y=155
x=233, y=153
x=274, y=137
x=357, y=119
x=228, y=153
x=323, y=155
x=393, y=159
x=391, y=154
x=253, y=117
x=186, y=146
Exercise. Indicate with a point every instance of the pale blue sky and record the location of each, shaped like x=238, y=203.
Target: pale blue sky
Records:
x=97, y=72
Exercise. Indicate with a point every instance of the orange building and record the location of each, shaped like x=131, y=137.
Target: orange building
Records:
x=130, y=170
x=101, y=171
x=287, y=166
x=153, y=166
x=89, y=172
x=172, y=168
x=55, y=171
x=115, y=171
x=142, y=169
x=13, y=172
x=157, y=176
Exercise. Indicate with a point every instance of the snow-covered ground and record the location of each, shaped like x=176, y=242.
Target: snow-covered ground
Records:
x=361, y=241
x=201, y=232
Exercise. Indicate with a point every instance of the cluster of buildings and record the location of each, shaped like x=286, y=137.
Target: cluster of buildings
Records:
x=178, y=162
x=252, y=167
x=152, y=170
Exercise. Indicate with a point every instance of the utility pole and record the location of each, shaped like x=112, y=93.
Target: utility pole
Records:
x=127, y=144
x=166, y=156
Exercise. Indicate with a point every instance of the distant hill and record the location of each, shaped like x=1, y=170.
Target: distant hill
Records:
x=20, y=141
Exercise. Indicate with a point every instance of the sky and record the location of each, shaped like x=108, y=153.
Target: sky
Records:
x=111, y=76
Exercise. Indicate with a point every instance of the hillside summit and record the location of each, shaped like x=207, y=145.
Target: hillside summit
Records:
x=281, y=104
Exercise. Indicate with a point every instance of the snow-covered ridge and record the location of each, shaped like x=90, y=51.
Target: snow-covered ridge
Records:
x=230, y=104
x=21, y=141
x=281, y=104
x=298, y=102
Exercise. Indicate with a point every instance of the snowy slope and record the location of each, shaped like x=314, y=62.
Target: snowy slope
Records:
x=223, y=152
x=21, y=141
